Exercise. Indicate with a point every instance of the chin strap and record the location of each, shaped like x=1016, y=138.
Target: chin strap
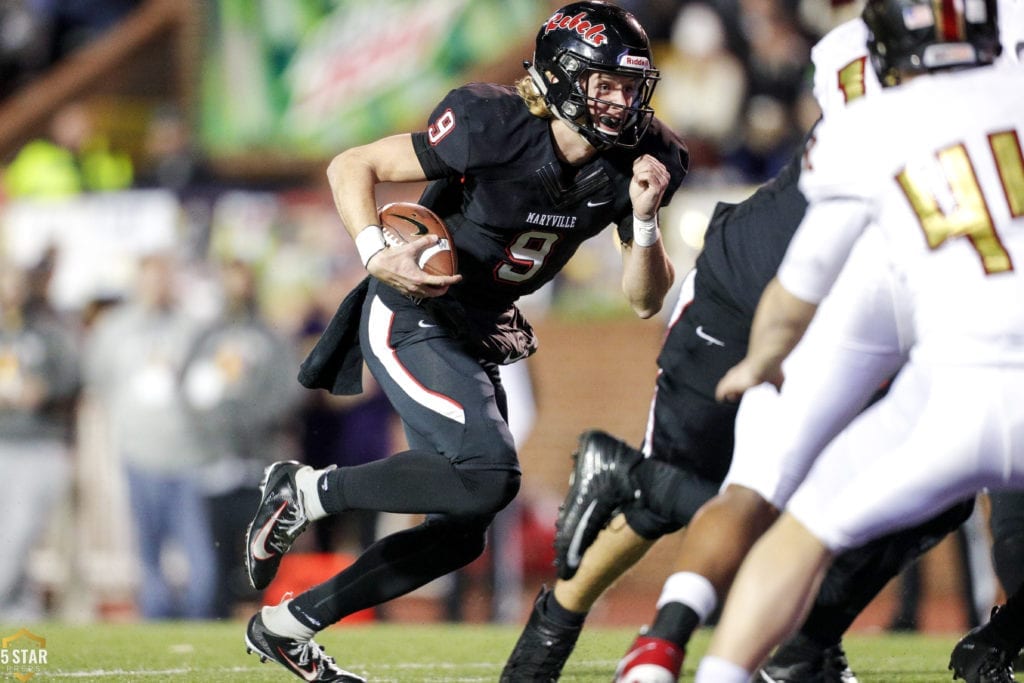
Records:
x=535, y=76
x=542, y=88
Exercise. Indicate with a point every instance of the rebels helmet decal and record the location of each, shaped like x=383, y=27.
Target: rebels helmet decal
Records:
x=585, y=38
x=590, y=33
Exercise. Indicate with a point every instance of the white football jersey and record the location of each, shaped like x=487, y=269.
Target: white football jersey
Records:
x=1011, y=30
x=937, y=163
x=842, y=70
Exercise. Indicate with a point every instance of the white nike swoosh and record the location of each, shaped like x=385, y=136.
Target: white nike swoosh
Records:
x=591, y=203
x=652, y=667
x=708, y=338
x=573, y=554
x=423, y=323
x=259, y=543
x=628, y=659
x=305, y=675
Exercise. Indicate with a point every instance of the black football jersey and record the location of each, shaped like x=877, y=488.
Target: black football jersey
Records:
x=745, y=242
x=516, y=212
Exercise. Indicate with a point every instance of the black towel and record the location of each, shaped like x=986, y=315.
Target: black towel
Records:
x=336, y=362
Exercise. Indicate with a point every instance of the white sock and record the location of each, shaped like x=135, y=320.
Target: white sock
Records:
x=718, y=670
x=693, y=590
x=306, y=478
x=283, y=623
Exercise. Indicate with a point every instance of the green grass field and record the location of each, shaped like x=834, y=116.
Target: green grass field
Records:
x=213, y=652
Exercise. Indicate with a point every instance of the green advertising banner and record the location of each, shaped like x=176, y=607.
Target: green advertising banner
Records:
x=311, y=77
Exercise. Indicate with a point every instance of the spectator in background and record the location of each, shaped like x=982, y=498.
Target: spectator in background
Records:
x=134, y=357
x=75, y=158
x=778, y=51
x=23, y=49
x=777, y=57
x=735, y=78
x=343, y=431
x=655, y=14
x=171, y=159
x=239, y=388
x=69, y=26
x=38, y=383
x=36, y=34
x=703, y=85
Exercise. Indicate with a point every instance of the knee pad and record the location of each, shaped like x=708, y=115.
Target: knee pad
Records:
x=671, y=495
x=647, y=523
x=489, y=491
x=463, y=537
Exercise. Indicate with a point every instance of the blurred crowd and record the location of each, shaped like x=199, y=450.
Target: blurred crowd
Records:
x=735, y=74
x=185, y=407
x=36, y=34
x=735, y=78
x=136, y=418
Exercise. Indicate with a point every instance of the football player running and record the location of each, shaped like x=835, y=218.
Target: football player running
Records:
x=690, y=446
x=522, y=176
x=944, y=194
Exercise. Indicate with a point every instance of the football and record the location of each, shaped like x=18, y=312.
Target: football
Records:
x=403, y=222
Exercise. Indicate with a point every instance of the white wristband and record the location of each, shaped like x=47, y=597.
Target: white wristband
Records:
x=645, y=233
x=369, y=241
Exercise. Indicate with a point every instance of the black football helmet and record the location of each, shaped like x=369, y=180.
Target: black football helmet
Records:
x=580, y=39
x=925, y=35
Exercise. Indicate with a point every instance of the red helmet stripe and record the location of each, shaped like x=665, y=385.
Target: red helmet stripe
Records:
x=951, y=21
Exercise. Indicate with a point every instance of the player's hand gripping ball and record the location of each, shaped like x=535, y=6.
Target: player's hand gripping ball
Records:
x=403, y=222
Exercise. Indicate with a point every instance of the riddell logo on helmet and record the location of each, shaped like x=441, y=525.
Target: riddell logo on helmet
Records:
x=590, y=33
x=635, y=62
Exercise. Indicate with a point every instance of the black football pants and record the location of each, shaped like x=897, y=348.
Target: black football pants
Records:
x=461, y=468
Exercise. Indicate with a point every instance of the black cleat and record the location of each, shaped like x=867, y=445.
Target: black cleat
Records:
x=542, y=648
x=799, y=660
x=279, y=520
x=977, y=658
x=599, y=485
x=304, y=658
